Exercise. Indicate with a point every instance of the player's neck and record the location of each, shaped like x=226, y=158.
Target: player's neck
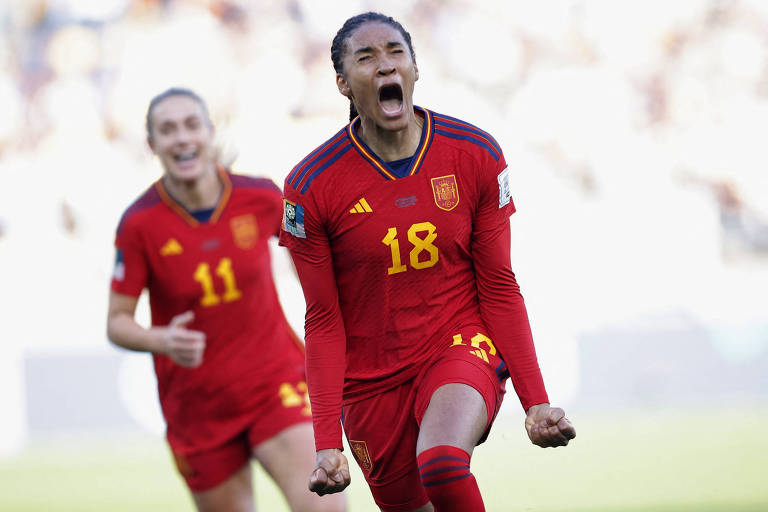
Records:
x=199, y=194
x=390, y=145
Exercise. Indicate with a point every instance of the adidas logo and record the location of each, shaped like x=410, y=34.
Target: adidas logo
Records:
x=171, y=247
x=361, y=206
x=480, y=353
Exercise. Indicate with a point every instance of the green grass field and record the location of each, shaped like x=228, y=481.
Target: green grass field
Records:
x=661, y=461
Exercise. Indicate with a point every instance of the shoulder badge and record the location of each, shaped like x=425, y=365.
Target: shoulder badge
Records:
x=119, y=271
x=505, y=193
x=293, y=219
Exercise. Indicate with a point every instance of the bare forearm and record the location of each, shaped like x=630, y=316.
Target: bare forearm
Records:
x=124, y=332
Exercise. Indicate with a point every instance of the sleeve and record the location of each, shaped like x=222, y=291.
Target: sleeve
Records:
x=501, y=303
x=131, y=269
x=325, y=338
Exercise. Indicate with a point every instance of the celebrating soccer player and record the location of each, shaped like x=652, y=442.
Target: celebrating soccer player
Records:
x=230, y=371
x=399, y=229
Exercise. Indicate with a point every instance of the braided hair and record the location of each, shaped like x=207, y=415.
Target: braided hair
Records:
x=338, y=47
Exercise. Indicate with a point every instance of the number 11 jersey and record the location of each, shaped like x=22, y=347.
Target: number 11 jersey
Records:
x=219, y=269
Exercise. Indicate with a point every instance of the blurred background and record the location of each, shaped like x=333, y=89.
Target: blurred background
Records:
x=636, y=135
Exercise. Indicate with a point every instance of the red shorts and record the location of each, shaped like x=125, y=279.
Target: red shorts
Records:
x=285, y=404
x=382, y=430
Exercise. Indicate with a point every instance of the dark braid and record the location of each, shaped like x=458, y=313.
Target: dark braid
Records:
x=339, y=45
x=174, y=91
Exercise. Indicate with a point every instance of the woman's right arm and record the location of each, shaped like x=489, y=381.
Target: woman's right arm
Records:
x=325, y=342
x=124, y=331
x=304, y=234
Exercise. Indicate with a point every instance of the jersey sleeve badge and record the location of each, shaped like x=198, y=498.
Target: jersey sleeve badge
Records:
x=118, y=273
x=505, y=192
x=293, y=219
x=446, y=192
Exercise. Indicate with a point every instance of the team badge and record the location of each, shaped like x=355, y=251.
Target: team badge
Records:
x=446, y=192
x=293, y=219
x=505, y=192
x=245, y=230
x=360, y=451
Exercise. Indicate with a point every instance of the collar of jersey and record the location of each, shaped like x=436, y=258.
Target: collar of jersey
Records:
x=177, y=207
x=427, y=134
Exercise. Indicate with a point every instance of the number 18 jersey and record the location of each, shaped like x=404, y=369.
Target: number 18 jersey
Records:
x=401, y=250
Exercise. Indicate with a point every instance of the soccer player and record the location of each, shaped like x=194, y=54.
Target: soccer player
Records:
x=399, y=229
x=230, y=371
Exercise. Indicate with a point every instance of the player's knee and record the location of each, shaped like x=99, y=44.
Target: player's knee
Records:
x=442, y=464
x=447, y=480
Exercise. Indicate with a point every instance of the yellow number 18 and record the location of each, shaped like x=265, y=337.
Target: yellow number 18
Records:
x=419, y=245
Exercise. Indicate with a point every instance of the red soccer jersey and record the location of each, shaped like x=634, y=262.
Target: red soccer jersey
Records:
x=220, y=270
x=410, y=260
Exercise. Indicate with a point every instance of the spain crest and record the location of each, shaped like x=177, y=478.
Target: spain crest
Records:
x=245, y=231
x=446, y=192
x=360, y=451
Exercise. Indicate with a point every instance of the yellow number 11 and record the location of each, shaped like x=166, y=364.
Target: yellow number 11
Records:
x=223, y=270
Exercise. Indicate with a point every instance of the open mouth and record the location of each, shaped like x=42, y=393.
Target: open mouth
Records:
x=391, y=99
x=185, y=157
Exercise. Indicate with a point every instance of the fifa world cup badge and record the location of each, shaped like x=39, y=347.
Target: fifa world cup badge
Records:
x=293, y=219
x=118, y=273
x=505, y=193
